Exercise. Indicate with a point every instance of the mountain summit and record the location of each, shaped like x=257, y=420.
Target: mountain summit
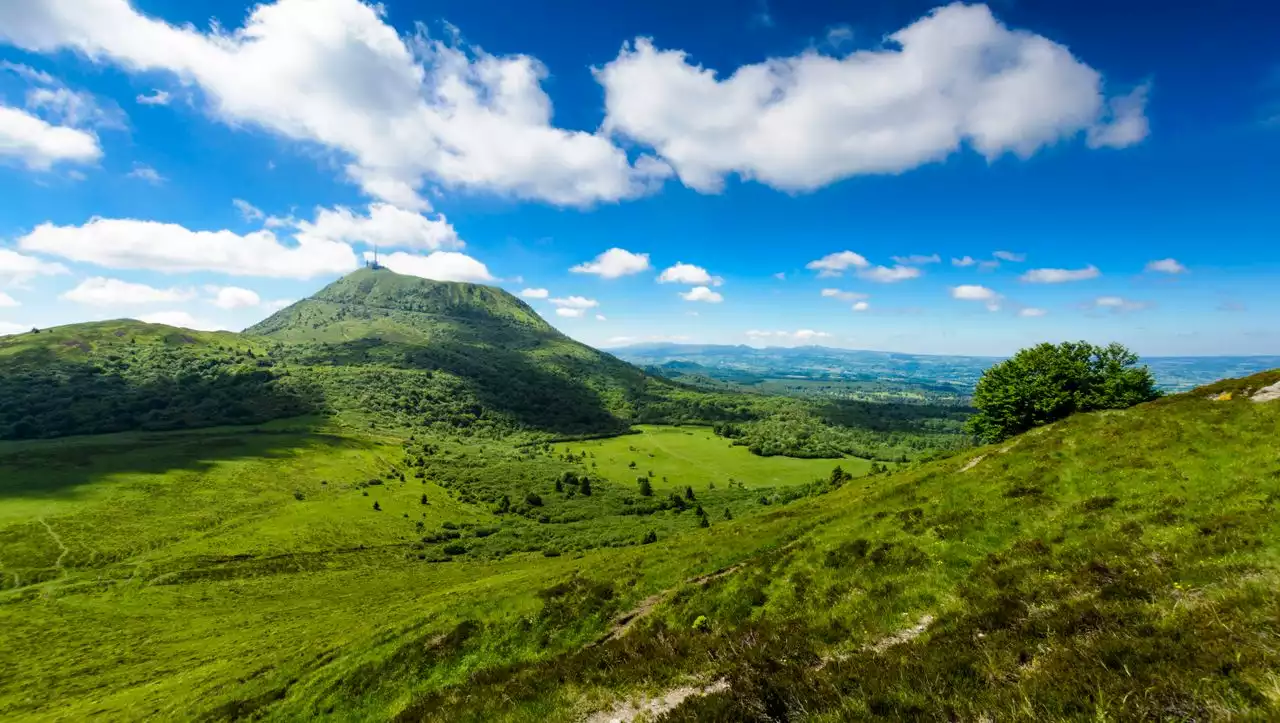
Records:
x=378, y=303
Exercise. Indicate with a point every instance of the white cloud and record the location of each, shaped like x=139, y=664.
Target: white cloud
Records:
x=988, y=265
x=620, y=339
x=157, y=97
x=102, y=291
x=780, y=276
x=39, y=145
x=843, y=295
x=973, y=292
x=16, y=268
x=234, y=297
x=601, y=317
x=1166, y=266
x=1058, y=276
x=575, y=302
x=8, y=302
x=702, y=293
x=965, y=261
x=806, y=334
x=614, y=263
x=146, y=173
x=837, y=263
x=570, y=313
x=917, y=259
x=403, y=110
x=683, y=273
x=799, y=335
x=180, y=319
x=171, y=248
x=278, y=304
x=74, y=108
x=886, y=275
x=1126, y=122
x=438, y=266
x=385, y=225
x=955, y=77
x=8, y=327
x=535, y=293
x=861, y=306
x=1010, y=256
x=1118, y=304
x=1031, y=311
x=28, y=73
x=250, y=212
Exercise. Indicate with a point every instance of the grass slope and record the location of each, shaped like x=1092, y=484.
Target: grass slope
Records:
x=1114, y=566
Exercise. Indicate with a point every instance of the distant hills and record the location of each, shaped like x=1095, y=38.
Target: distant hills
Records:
x=376, y=349
x=741, y=363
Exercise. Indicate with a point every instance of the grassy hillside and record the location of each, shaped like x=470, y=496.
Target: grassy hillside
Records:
x=1113, y=566
x=399, y=354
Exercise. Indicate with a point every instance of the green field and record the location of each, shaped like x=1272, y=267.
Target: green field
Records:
x=680, y=456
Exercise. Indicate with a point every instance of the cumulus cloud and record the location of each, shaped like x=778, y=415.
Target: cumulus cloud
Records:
x=964, y=261
x=65, y=106
x=438, y=266
x=143, y=172
x=1031, y=311
x=8, y=327
x=683, y=273
x=1059, y=276
x=385, y=225
x=953, y=78
x=1010, y=256
x=974, y=292
x=157, y=97
x=28, y=73
x=837, y=263
x=861, y=306
x=102, y=291
x=601, y=317
x=917, y=259
x=1118, y=304
x=39, y=145
x=401, y=110
x=234, y=297
x=171, y=248
x=886, y=275
x=181, y=319
x=702, y=293
x=575, y=302
x=843, y=295
x=614, y=263
x=535, y=293
x=8, y=302
x=1166, y=266
x=1125, y=123
x=16, y=268
x=570, y=313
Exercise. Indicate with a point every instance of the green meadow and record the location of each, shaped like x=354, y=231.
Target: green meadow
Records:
x=687, y=455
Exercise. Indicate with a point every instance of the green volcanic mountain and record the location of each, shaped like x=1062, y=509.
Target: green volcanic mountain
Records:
x=376, y=349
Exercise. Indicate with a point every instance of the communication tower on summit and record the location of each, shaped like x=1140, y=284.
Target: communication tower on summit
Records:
x=373, y=263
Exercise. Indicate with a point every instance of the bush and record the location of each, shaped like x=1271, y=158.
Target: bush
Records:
x=456, y=548
x=1048, y=382
x=646, y=488
x=650, y=537
x=533, y=499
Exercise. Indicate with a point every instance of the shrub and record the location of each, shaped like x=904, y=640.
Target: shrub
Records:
x=456, y=548
x=1048, y=382
x=650, y=537
x=646, y=487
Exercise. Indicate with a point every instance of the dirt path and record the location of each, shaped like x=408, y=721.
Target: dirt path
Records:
x=624, y=622
x=646, y=707
x=61, y=545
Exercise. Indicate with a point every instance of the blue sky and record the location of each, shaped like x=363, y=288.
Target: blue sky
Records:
x=885, y=175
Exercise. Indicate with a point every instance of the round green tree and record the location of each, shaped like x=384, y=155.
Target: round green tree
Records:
x=1048, y=382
